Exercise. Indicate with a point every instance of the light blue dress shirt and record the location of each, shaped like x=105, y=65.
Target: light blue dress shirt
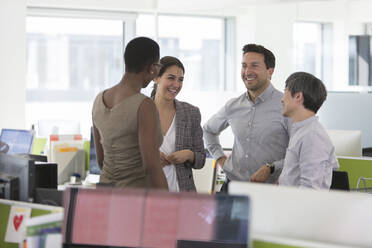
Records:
x=310, y=156
x=260, y=131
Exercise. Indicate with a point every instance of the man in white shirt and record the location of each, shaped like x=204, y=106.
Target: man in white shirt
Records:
x=310, y=157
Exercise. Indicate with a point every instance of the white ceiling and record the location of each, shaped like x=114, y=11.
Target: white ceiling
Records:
x=222, y=7
x=195, y=7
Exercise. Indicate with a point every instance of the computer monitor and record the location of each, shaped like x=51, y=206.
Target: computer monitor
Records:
x=140, y=218
x=30, y=173
x=19, y=141
x=347, y=143
x=93, y=164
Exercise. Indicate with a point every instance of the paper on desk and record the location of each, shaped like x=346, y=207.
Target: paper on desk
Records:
x=16, y=229
x=70, y=159
x=41, y=230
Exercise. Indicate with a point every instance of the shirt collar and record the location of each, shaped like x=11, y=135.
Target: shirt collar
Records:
x=298, y=125
x=266, y=94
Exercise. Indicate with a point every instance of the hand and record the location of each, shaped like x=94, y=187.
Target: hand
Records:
x=261, y=175
x=164, y=160
x=221, y=161
x=180, y=157
x=4, y=147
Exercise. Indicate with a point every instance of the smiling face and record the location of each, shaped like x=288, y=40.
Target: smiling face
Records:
x=254, y=73
x=169, y=84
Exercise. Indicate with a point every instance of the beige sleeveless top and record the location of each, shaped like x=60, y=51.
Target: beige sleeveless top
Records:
x=118, y=128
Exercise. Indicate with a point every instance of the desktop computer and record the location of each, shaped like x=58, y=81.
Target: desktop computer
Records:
x=31, y=174
x=9, y=187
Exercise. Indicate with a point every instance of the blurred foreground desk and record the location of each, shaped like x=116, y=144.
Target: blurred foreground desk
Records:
x=329, y=218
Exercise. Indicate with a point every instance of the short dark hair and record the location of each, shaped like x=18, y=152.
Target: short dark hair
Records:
x=139, y=53
x=313, y=90
x=167, y=62
x=269, y=57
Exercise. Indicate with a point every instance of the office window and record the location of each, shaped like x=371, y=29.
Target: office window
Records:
x=360, y=60
x=74, y=55
x=199, y=42
x=353, y=60
x=65, y=55
x=69, y=60
x=313, y=49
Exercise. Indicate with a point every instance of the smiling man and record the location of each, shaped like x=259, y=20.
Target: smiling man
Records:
x=260, y=131
x=310, y=156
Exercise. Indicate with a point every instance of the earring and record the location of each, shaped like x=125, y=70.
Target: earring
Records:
x=151, y=72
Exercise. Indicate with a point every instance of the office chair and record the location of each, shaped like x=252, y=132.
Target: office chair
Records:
x=367, y=151
x=340, y=180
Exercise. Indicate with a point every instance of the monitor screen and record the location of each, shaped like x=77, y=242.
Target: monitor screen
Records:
x=140, y=218
x=93, y=164
x=19, y=141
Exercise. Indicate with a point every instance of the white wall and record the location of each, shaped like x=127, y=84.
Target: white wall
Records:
x=274, y=30
x=12, y=63
x=349, y=111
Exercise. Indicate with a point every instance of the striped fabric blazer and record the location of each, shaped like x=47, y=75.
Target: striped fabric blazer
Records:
x=189, y=135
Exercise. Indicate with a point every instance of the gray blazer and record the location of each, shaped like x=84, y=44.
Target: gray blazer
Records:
x=189, y=135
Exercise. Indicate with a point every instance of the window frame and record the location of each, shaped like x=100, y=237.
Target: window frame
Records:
x=326, y=51
x=128, y=24
x=227, y=64
x=228, y=60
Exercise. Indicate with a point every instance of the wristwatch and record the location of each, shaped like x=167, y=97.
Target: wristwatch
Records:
x=272, y=167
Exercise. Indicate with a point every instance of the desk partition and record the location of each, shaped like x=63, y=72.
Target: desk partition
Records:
x=356, y=167
x=328, y=218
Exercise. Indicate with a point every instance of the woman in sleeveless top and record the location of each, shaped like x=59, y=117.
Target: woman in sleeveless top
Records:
x=126, y=124
x=183, y=147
